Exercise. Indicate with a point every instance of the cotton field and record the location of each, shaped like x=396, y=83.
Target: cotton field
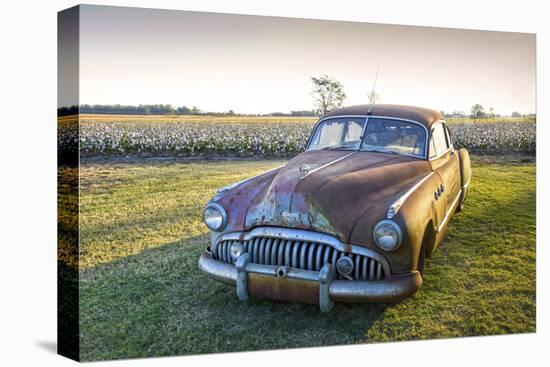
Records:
x=104, y=136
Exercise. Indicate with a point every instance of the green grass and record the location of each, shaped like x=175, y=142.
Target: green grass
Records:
x=126, y=209
x=143, y=295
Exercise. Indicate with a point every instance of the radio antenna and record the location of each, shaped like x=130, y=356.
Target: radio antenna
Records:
x=372, y=94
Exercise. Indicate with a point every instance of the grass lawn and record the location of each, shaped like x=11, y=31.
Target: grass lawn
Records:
x=141, y=293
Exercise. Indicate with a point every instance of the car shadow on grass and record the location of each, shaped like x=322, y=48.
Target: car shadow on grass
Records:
x=158, y=303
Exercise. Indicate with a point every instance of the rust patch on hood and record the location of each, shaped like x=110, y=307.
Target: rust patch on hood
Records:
x=272, y=206
x=332, y=197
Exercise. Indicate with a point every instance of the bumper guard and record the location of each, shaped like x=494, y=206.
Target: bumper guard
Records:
x=393, y=288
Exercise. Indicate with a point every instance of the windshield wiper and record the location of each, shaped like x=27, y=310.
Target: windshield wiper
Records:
x=383, y=151
x=335, y=147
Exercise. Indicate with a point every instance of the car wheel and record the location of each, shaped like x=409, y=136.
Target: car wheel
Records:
x=459, y=207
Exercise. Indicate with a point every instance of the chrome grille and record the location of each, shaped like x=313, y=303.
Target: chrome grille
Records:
x=299, y=254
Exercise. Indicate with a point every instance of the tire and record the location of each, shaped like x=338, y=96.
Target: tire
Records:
x=421, y=261
x=426, y=245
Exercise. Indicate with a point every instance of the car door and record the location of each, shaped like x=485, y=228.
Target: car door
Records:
x=444, y=161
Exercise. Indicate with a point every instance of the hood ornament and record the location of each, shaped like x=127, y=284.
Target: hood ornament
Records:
x=304, y=170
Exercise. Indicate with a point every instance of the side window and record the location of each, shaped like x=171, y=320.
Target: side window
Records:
x=448, y=133
x=438, y=141
x=432, y=148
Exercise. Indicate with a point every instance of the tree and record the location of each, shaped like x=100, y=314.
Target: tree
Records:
x=328, y=93
x=491, y=112
x=477, y=111
x=458, y=114
x=183, y=110
x=516, y=114
x=302, y=113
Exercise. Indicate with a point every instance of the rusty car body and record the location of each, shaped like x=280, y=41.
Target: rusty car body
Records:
x=351, y=219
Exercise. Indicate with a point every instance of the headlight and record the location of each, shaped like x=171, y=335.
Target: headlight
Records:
x=387, y=235
x=215, y=217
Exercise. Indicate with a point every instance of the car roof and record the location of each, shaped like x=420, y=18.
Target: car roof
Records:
x=423, y=115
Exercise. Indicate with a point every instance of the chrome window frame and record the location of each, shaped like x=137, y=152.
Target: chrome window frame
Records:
x=447, y=136
x=367, y=117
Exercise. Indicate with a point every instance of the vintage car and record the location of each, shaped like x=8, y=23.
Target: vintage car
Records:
x=351, y=219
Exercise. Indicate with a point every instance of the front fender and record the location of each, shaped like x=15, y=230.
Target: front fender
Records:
x=419, y=212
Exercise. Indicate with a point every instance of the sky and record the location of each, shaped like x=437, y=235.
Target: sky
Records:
x=257, y=64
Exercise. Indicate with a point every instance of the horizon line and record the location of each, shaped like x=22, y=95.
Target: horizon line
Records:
x=464, y=111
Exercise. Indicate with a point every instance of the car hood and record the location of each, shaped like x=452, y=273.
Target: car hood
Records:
x=328, y=191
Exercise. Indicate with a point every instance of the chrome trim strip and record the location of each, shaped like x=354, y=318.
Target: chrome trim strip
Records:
x=394, y=208
x=223, y=190
x=308, y=236
x=467, y=183
x=447, y=215
x=328, y=164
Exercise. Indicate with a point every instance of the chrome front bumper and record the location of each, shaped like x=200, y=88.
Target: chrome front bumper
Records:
x=322, y=283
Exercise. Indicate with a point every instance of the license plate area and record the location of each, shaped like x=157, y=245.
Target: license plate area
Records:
x=283, y=289
x=284, y=283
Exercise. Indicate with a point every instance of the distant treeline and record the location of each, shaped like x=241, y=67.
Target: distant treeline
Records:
x=160, y=109
x=66, y=111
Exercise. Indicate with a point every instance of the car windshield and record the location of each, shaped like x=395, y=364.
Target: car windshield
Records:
x=384, y=135
x=394, y=136
x=342, y=133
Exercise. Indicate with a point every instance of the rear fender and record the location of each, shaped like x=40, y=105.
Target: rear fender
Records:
x=465, y=174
